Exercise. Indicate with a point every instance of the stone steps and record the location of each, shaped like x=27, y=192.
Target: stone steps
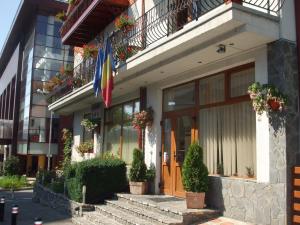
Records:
x=185, y=216
x=124, y=217
x=142, y=210
x=150, y=215
x=94, y=219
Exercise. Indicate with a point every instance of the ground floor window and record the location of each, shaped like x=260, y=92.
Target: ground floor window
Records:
x=120, y=138
x=219, y=115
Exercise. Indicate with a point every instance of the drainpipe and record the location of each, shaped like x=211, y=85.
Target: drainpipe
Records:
x=50, y=139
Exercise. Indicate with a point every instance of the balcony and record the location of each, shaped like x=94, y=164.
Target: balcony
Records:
x=88, y=18
x=173, y=38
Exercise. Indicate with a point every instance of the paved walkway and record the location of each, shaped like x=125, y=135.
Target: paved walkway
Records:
x=224, y=221
x=29, y=210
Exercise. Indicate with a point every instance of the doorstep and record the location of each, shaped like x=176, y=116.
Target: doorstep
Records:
x=171, y=206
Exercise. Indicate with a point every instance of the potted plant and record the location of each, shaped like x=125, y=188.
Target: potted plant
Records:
x=266, y=98
x=90, y=51
x=150, y=177
x=61, y=16
x=124, y=23
x=137, y=174
x=85, y=147
x=195, y=177
x=88, y=124
x=125, y=52
x=77, y=82
x=235, y=1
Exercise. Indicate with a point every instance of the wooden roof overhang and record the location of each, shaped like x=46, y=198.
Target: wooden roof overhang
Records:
x=89, y=18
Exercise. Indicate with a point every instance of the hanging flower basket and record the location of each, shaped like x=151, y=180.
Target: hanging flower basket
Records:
x=61, y=16
x=85, y=147
x=88, y=124
x=143, y=119
x=125, y=52
x=124, y=23
x=266, y=98
x=90, y=51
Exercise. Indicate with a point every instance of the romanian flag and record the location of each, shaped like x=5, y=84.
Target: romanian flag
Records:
x=107, y=79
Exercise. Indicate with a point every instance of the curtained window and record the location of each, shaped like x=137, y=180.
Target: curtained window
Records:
x=120, y=136
x=227, y=130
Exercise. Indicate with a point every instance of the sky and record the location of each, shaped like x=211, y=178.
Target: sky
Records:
x=8, y=10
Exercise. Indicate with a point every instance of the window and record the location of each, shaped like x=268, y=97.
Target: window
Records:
x=120, y=137
x=211, y=90
x=227, y=130
x=180, y=97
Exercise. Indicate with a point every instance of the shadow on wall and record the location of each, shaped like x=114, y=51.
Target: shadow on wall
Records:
x=214, y=197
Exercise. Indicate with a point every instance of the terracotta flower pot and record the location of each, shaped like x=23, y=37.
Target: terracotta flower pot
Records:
x=275, y=105
x=138, y=188
x=234, y=1
x=195, y=200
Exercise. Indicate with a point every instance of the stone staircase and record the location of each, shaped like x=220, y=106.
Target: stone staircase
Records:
x=138, y=210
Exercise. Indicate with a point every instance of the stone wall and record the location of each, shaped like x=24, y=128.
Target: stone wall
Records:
x=268, y=203
x=248, y=200
x=56, y=201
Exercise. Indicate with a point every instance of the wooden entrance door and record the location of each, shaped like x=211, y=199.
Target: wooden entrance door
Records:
x=178, y=134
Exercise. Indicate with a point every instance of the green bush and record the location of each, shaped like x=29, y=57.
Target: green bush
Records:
x=12, y=166
x=138, y=168
x=13, y=182
x=194, y=171
x=102, y=177
x=45, y=177
x=57, y=186
x=151, y=173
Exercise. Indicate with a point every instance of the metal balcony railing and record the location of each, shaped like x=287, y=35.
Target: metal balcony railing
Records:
x=82, y=75
x=164, y=19
x=169, y=16
x=74, y=15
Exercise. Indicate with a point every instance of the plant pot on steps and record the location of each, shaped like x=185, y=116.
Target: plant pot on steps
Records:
x=234, y=1
x=195, y=200
x=138, y=188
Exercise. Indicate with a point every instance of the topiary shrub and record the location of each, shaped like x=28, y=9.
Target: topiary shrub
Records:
x=138, y=168
x=194, y=171
x=102, y=177
x=12, y=166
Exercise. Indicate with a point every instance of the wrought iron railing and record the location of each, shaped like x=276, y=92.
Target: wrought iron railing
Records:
x=74, y=15
x=164, y=19
x=82, y=75
x=169, y=16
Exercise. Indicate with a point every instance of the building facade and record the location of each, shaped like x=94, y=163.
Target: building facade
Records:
x=192, y=63
x=37, y=55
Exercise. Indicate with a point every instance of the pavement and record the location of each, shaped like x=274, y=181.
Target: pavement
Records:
x=224, y=221
x=28, y=210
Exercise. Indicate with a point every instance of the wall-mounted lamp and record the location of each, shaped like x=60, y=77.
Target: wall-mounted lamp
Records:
x=221, y=49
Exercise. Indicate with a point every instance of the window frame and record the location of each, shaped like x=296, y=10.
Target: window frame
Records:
x=123, y=121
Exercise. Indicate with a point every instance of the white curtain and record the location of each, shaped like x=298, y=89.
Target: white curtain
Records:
x=227, y=134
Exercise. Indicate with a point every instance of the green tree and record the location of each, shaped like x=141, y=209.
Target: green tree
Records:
x=194, y=171
x=138, y=168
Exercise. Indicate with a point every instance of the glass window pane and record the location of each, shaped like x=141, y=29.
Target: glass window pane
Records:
x=128, y=111
x=112, y=140
x=211, y=89
x=137, y=106
x=240, y=81
x=179, y=97
x=117, y=114
x=130, y=142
